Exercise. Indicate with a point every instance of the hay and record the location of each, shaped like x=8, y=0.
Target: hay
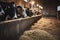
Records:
x=36, y=34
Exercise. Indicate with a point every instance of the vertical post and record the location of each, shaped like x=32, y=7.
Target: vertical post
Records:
x=57, y=15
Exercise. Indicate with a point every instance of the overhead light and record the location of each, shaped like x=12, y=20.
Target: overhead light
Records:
x=41, y=7
x=26, y=0
x=32, y=2
x=37, y=5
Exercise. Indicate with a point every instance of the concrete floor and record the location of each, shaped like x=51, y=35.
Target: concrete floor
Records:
x=49, y=24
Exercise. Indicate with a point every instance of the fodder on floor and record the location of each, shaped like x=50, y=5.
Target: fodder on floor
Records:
x=36, y=34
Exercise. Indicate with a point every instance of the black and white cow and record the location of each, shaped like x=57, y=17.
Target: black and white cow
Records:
x=9, y=9
x=2, y=14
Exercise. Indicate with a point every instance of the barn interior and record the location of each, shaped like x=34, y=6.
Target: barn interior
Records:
x=43, y=22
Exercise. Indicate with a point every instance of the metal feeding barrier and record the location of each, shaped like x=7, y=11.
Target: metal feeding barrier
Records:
x=12, y=29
